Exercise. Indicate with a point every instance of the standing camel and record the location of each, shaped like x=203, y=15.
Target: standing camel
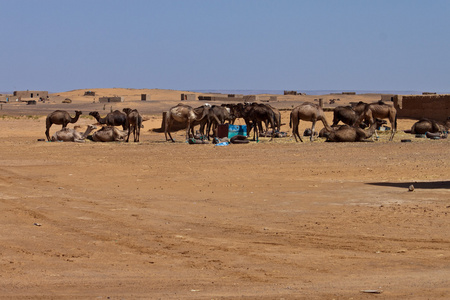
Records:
x=254, y=115
x=115, y=118
x=60, y=117
x=184, y=114
x=71, y=135
x=134, y=120
x=307, y=111
x=379, y=110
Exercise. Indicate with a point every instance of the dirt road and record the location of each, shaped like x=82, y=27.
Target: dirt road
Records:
x=280, y=220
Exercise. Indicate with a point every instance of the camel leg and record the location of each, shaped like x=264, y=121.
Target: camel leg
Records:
x=137, y=132
x=393, y=121
x=129, y=132
x=273, y=130
x=47, y=133
x=167, y=131
x=313, y=126
x=295, y=125
x=188, y=129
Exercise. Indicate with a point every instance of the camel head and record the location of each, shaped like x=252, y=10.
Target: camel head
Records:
x=78, y=112
x=94, y=113
x=380, y=122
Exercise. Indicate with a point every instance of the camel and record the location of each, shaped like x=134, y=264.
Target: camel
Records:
x=217, y=115
x=184, y=114
x=379, y=110
x=71, y=135
x=134, y=122
x=347, y=114
x=277, y=118
x=254, y=114
x=60, y=117
x=109, y=134
x=307, y=111
x=425, y=125
x=115, y=118
x=346, y=133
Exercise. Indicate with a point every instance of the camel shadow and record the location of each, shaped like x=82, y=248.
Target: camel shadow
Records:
x=417, y=185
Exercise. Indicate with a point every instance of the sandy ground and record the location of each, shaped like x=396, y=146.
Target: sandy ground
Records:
x=267, y=220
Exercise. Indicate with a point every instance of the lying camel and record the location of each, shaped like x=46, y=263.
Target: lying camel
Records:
x=71, y=135
x=346, y=133
x=109, y=134
x=425, y=125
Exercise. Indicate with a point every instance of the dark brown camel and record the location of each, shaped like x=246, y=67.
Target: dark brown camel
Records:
x=134, y=123
x=254, y=115
x=115, y=118
x=60, y=117
x=184, y=114
x=307, y=112
x=217, y=115
x=379, y=110
x=346, y=133
x=425, y=125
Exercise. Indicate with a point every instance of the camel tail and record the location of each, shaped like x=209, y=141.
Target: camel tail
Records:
x=290, y=121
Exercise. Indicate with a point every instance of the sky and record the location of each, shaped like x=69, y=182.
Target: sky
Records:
x=62, y=45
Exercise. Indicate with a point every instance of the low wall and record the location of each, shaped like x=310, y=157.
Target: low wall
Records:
x=435, y=107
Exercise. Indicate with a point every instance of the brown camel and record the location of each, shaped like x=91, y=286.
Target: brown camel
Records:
x=60, y=117
x=307, y=111
x=216, y=116
x=379, y=110
x=134, y=123
x=109, y=134
x=348, y=114
x=346, y=133
x=184, y=114
x=115, y=118
x=254, y=114
x=425, y=125
x=71, y=135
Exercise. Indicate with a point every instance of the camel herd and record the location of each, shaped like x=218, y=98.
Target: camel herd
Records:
x=355, y=121
x=129, y=119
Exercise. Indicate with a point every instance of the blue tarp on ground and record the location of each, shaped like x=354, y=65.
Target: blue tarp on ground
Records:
x=234, y=130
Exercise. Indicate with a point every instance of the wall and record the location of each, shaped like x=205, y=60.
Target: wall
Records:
x=435, y=107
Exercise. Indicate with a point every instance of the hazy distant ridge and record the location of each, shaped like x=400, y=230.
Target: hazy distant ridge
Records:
x=308, y=92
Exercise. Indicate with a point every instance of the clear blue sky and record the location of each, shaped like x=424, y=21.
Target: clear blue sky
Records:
x=61, y=45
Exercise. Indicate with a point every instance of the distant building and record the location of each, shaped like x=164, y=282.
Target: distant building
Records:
x=21, y=95
x=110, y=99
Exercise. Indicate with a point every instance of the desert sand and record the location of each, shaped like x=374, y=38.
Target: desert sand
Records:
x=267, y=220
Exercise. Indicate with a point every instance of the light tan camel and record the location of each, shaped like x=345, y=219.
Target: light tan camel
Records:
x=184, y=114
x=60, y=117
x=109, y=134
x=71, y=135
x=346, y=133
x=379, y=110
x=307, y=111
x=134, y=123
